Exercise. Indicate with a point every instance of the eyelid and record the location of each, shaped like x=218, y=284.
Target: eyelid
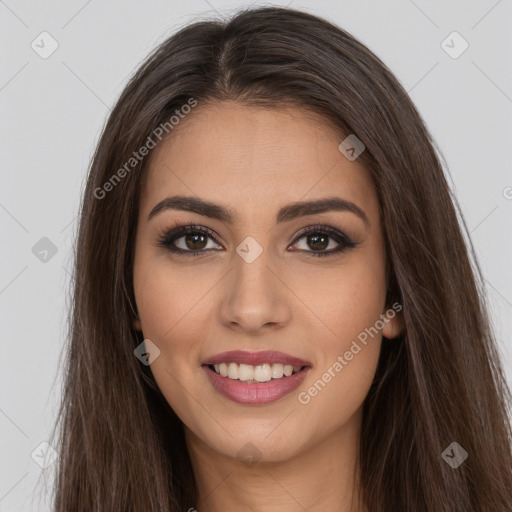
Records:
x=180, y=229
x=339, y=236
x=324, y=228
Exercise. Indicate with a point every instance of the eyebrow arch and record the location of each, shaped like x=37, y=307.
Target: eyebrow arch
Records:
x=286, y=213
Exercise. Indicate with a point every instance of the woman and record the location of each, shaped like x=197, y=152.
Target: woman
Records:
x=274, y=306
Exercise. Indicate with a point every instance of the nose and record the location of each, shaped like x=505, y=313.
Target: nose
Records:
x=255, y=297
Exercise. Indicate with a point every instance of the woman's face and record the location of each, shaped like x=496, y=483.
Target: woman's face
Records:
x=258, y=283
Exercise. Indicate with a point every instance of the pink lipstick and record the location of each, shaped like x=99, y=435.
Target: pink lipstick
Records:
x=263, y=364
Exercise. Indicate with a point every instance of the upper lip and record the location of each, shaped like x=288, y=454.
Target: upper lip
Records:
x=256, y=358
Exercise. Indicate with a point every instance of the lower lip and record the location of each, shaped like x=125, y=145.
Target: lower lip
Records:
x=256, y=393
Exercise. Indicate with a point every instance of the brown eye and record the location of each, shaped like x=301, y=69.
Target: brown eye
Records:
x=324, y=241
x=188, y=240
x=195, y=242
x=318, y=242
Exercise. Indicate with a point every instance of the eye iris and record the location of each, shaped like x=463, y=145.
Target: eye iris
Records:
x=313, y=241
x=194, y=238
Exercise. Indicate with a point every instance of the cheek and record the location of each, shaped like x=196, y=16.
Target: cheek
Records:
x=347, y=297
x=349, y=300
x=348, y=351
x=357, y=301
x=172, y=314
x=170, y=310
x=168, y=298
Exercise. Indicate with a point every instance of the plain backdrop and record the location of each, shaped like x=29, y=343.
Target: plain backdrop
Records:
x=52, y=110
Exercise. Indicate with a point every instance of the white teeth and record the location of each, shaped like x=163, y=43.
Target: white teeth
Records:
x=277, y=371
x=233, y=371
x=245, y=372
x=260, y=373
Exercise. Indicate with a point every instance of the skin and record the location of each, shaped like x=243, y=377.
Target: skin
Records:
x=193, y=307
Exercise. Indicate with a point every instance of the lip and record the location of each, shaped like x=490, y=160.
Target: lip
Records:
x=256, y=393
x=256, y=358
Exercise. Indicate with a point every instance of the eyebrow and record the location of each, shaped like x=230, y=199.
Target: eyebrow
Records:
x=286, y=213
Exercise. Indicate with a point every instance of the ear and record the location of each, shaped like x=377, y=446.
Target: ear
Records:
x=136, y=324
x=393, y=323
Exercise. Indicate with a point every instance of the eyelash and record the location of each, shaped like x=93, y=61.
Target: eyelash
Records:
x=166, y=238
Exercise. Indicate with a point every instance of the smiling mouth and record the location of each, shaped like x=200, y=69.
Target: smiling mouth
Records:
x=250, y=374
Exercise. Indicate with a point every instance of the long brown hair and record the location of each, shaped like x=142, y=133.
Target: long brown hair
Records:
x=122, y=446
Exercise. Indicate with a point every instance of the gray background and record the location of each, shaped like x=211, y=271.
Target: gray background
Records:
x=51, y=112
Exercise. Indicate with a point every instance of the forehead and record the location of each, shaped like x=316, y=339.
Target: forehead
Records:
x=248, y=157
